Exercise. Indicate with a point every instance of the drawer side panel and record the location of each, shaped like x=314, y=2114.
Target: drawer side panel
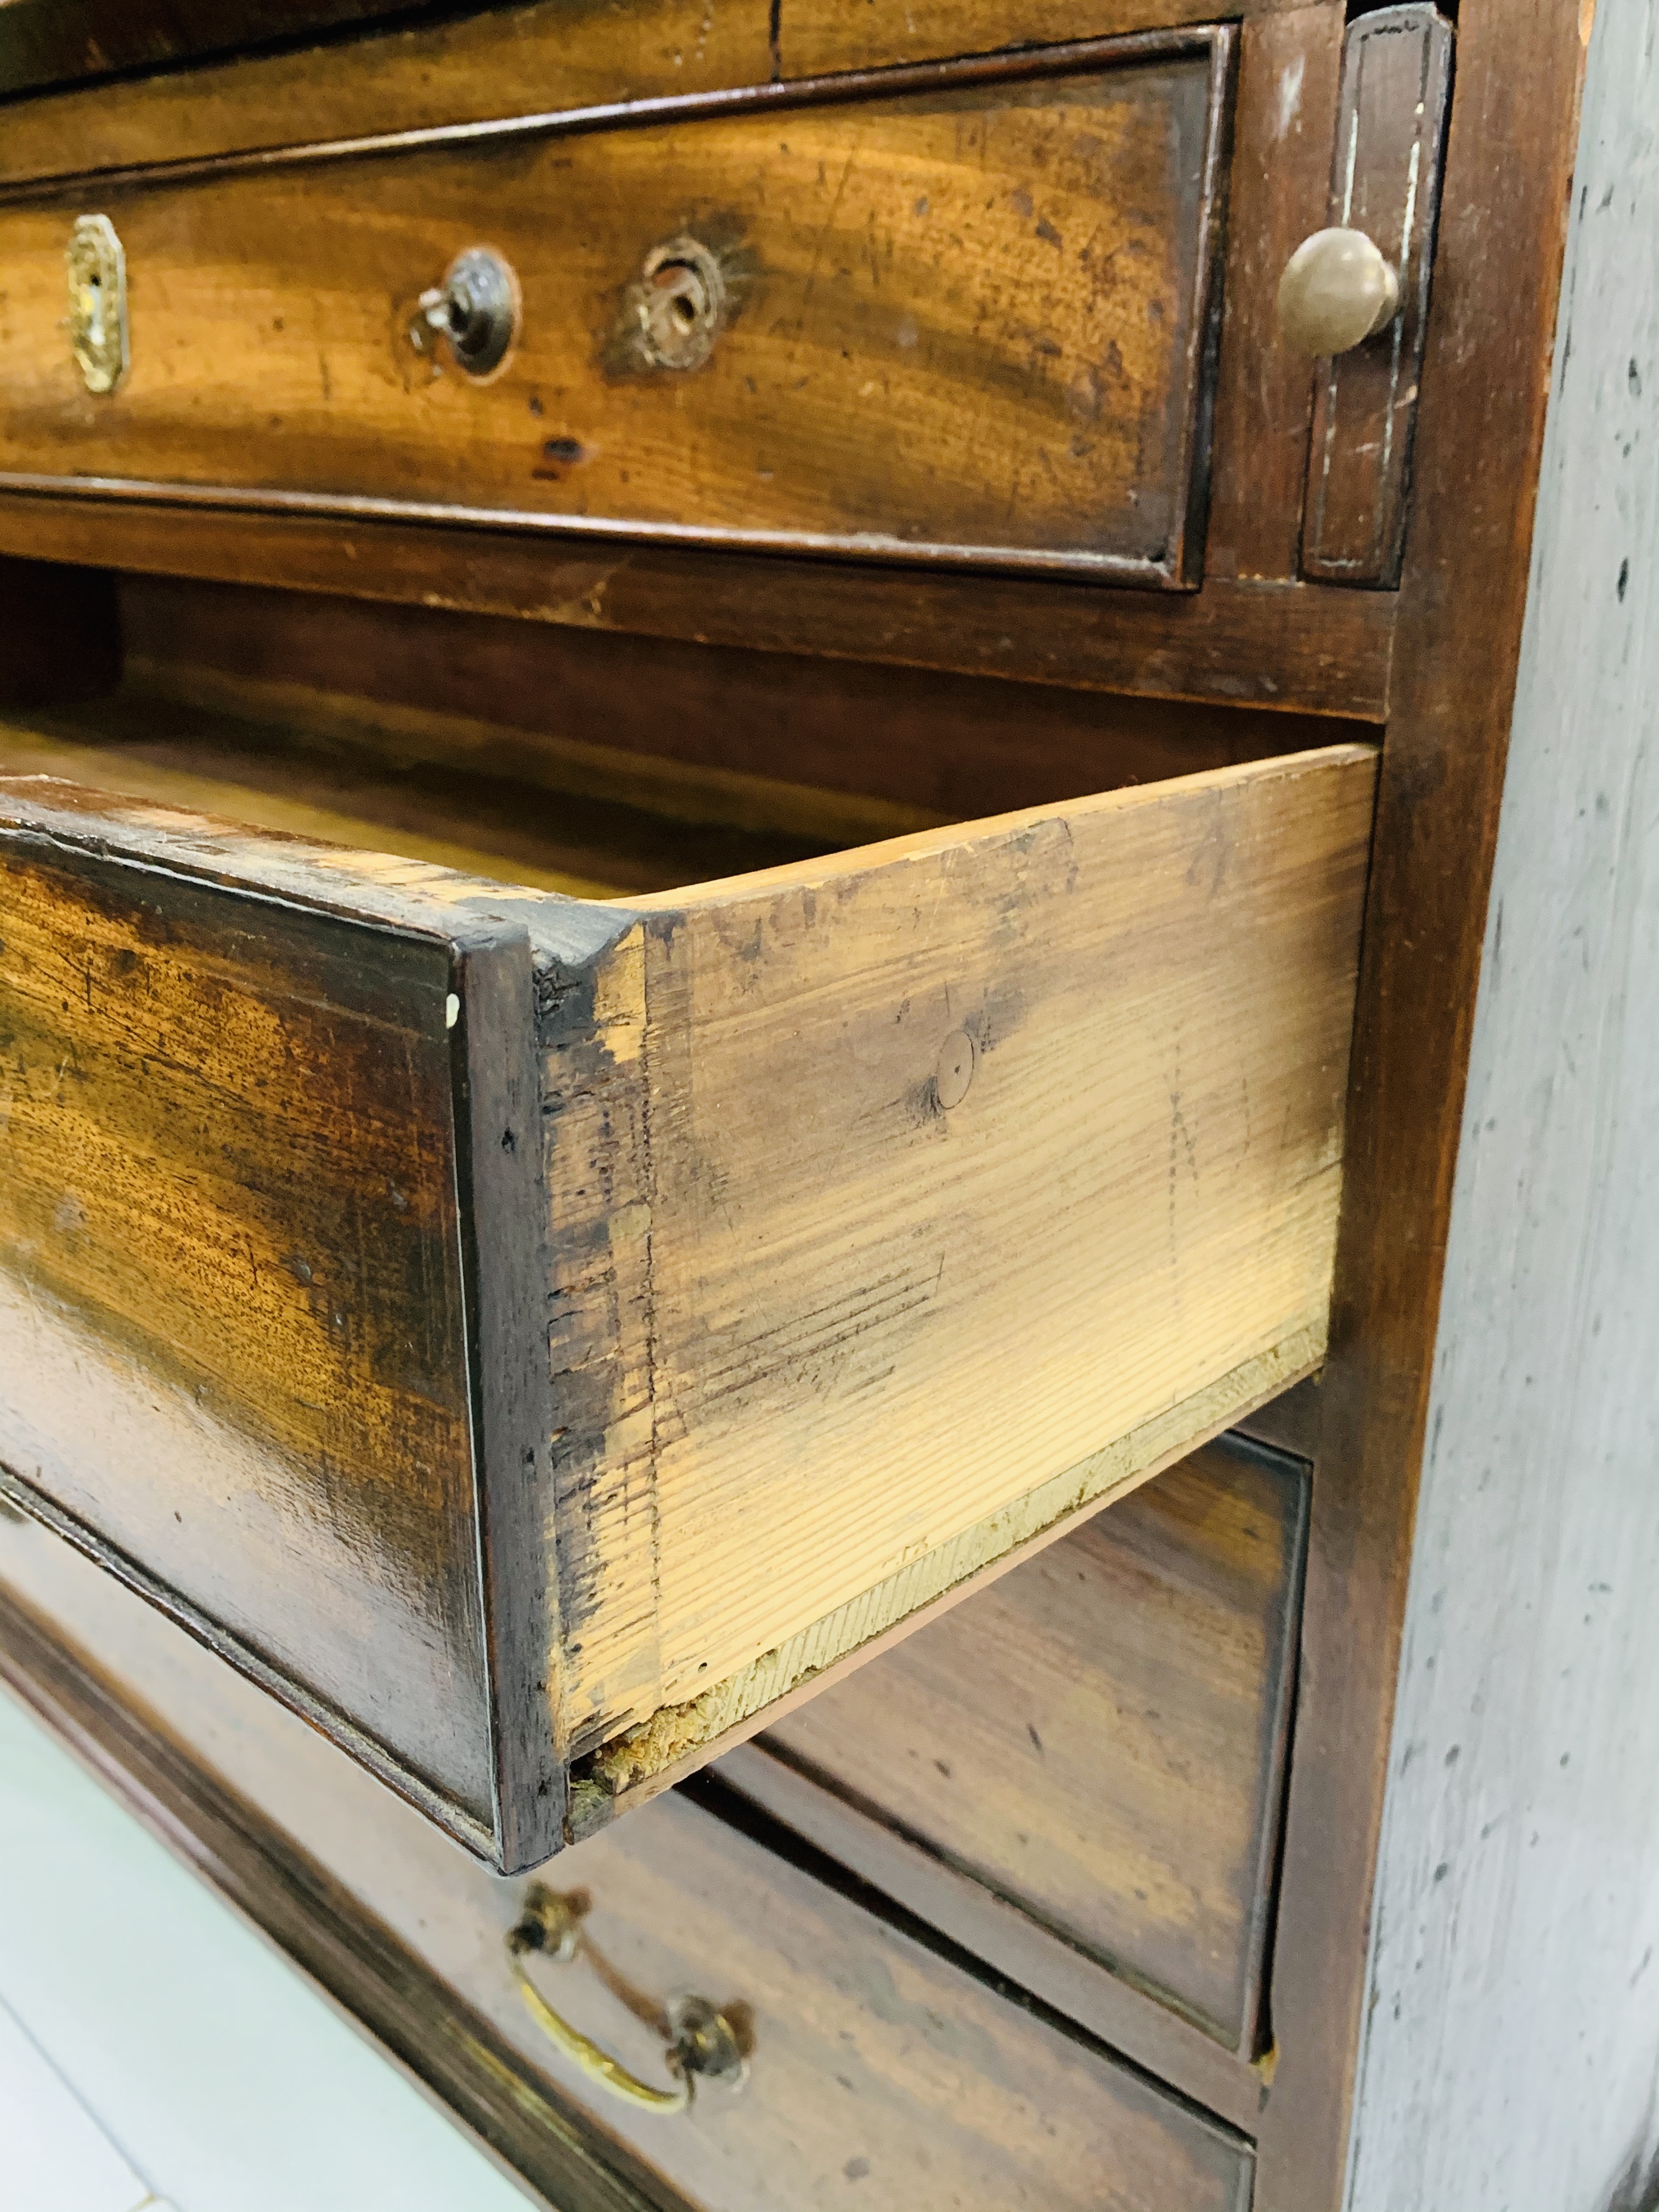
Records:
x=893, y=1340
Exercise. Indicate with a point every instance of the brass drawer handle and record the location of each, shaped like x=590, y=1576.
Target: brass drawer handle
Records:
x=704, y=2044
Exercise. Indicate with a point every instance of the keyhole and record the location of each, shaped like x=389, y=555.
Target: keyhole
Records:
x=681, y=303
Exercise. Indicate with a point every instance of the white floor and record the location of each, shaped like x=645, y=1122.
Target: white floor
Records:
x=155, y=2052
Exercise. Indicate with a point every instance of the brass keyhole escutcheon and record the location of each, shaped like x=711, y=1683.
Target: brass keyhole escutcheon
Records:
x=681, y=301
x=475, y=309
x=96, y=267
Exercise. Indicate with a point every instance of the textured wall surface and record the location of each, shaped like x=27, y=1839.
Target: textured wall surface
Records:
x=1512, y=2054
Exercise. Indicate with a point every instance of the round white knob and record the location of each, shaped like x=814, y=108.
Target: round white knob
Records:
x=1337, y=290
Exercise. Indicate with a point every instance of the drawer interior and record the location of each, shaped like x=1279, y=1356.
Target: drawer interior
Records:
x=832, y=1339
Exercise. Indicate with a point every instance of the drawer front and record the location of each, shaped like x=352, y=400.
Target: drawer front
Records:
x=1099, y=1737
x=965, y=314
x=239, y=1308
x=535, y=1336
x=880, y=2072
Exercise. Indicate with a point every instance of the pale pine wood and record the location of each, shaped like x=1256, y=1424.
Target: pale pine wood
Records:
x=859, y=1346
x=677, y=1741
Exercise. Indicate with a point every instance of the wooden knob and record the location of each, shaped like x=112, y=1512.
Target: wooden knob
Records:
x=1336, y=291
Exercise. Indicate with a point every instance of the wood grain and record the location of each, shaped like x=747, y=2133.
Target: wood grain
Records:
x=842, y=752
x=1487, y=374
x=1289, y=66
x=1292, y=647
x=1527, y=1724
x=724, y=1317
x=245, y=1358
x=878, y=2062
x=270, y=771
x=860, y=1339
x=969, y=325
x=747, y=1783
x=555, y=54
x=1099, y=1737
x=847, y=34
x=1396, y=86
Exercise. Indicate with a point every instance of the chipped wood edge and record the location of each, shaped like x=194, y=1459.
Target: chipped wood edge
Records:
x=679, y=1740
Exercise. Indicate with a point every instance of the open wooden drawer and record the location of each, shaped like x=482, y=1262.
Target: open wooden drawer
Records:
x=534, y=1336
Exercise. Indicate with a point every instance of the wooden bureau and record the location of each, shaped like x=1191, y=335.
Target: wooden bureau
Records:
x=743, y=850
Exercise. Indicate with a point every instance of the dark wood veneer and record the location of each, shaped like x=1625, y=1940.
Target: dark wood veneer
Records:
x=252, y=1361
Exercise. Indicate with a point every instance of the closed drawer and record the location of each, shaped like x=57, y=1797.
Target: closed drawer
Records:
x=964, y=312
x=1099, y=1738
x=534, y=1336
x=881, y=2073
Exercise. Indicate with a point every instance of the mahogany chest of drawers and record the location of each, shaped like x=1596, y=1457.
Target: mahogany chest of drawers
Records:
x=750, y=769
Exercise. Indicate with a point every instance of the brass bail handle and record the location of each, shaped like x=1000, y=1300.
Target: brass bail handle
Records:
x=702, y=2043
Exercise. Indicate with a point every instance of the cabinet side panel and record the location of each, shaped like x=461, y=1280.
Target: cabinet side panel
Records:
x=1513, y=2006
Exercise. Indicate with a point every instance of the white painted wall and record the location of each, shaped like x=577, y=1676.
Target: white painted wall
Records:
x=1510, y=2061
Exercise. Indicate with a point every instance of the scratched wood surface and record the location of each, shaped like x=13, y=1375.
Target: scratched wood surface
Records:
x=557, y=56
x=861, y=1342
x=802, y=1135
x=228, y=1163
x=241, y=1359
x=839, y=34
x=972, y=320
x=1099, y=1737
x=1289, y=66
x=882, y=2072
x=1396, y=75
x=497, y=61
